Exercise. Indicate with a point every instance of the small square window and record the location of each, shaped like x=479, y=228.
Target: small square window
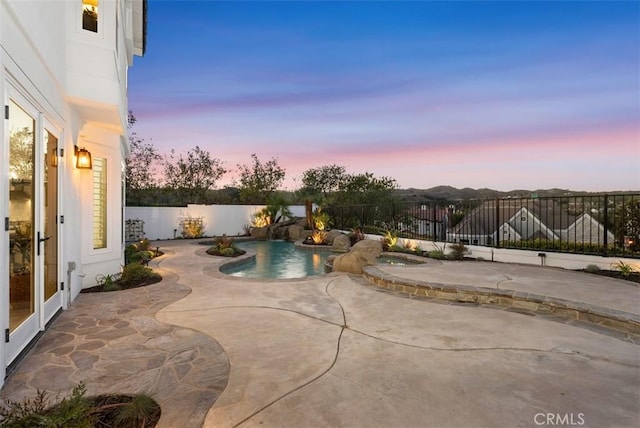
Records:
x=90, y=15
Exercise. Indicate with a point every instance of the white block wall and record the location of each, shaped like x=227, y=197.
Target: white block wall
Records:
x=164, y=222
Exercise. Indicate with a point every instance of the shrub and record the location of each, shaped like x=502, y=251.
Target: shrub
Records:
x=457, y=251
x=389, y=240
x=592, y=269
x=140, y=257
x=227, y=252
x=436, y=254
x=78, y=411
x=262, y=218
x=144, y=245
x=108, y=282
x=192, y=227
x=623, y=268
x=224, y=242
x=72, y=411
x=318, y=237
x=135, y=273
x=410, y=245
x=320, y=219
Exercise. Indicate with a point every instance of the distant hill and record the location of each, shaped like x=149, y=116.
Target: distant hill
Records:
x=449, y=193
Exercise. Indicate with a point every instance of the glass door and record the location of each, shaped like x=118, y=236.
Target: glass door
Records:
x=23, y=322
x=49, y=240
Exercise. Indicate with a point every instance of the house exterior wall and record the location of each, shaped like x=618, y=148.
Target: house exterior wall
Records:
x=587, y=230
x=75, y=82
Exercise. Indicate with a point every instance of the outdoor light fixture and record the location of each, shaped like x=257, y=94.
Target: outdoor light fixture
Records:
x=83, y=158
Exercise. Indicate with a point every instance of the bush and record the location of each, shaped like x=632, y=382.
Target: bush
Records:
x=592, y=269
x=224, y=242
x=72, y=411
x=623, y=268
x=144, y=244
x=135, y=274
x=457, y=251
x=108, y=282
x=192, y=227
x=227, y=252
x=78, y=411
x=226, y=247
x=437, y=254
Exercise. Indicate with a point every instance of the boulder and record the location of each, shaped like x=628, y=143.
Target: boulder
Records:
x=294, y=232
x=331, y=235
x=341, y=243
x=368, y=246
x=259, y=232
x=353, y=262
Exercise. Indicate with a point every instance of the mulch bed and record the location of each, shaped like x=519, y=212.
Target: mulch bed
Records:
x=122, y=285
x=214, y=252
x=633, y=276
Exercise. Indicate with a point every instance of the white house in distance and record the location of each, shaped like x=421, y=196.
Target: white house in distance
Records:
x=528, y=219
x=64, y=139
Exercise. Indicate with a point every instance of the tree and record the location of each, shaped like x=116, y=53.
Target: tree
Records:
x=21, y=144
x=627, y=226
x=277, y=209
x=259, y=180
x=363, y=199
x=192, y=176
x=140, y=173
x=319, y=182
x=364, y=189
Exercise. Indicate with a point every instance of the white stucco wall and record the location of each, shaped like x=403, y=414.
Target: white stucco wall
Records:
x=506, y=255
x=164, y=222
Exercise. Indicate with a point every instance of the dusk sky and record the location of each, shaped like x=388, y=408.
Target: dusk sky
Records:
x=505, y=95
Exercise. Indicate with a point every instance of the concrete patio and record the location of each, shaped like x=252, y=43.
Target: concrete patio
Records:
x=337, y=351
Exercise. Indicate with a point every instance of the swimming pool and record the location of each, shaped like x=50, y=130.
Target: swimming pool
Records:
x=281, y=259
x=278, y=259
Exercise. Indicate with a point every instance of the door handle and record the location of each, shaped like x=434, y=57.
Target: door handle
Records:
x=46, y=238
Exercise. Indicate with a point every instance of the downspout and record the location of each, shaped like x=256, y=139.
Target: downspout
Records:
x=71, y=268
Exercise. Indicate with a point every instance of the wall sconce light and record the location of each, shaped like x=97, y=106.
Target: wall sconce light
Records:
x=83, y=158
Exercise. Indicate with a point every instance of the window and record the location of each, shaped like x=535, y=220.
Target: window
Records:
x=90, y=15
x=99, y=203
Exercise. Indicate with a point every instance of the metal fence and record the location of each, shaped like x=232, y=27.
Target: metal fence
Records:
x=607, y=225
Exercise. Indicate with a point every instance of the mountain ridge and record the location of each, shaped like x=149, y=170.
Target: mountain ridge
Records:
x=451, y=193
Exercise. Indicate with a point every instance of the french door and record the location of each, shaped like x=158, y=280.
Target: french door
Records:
x=34, y=290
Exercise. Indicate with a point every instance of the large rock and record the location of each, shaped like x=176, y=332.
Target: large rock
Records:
x=294, y=232
x=353, y=262
x=331, y=235
x=341, y=243
x=368, y=246
x=259, y=232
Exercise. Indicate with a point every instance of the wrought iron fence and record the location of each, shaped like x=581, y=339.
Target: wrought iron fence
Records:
x=601, y=224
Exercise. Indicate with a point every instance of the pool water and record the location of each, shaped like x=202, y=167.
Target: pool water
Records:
x=281, y=259
x=278, y=259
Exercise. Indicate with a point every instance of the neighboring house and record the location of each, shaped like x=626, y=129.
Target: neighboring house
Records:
x=425, y=221
x=64, y=140
x=525, y=220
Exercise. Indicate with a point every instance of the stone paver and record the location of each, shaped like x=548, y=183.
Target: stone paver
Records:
x=113, y=343
x=337, y=351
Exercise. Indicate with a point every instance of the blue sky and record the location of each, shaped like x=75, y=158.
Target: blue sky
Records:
x=505, y=95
